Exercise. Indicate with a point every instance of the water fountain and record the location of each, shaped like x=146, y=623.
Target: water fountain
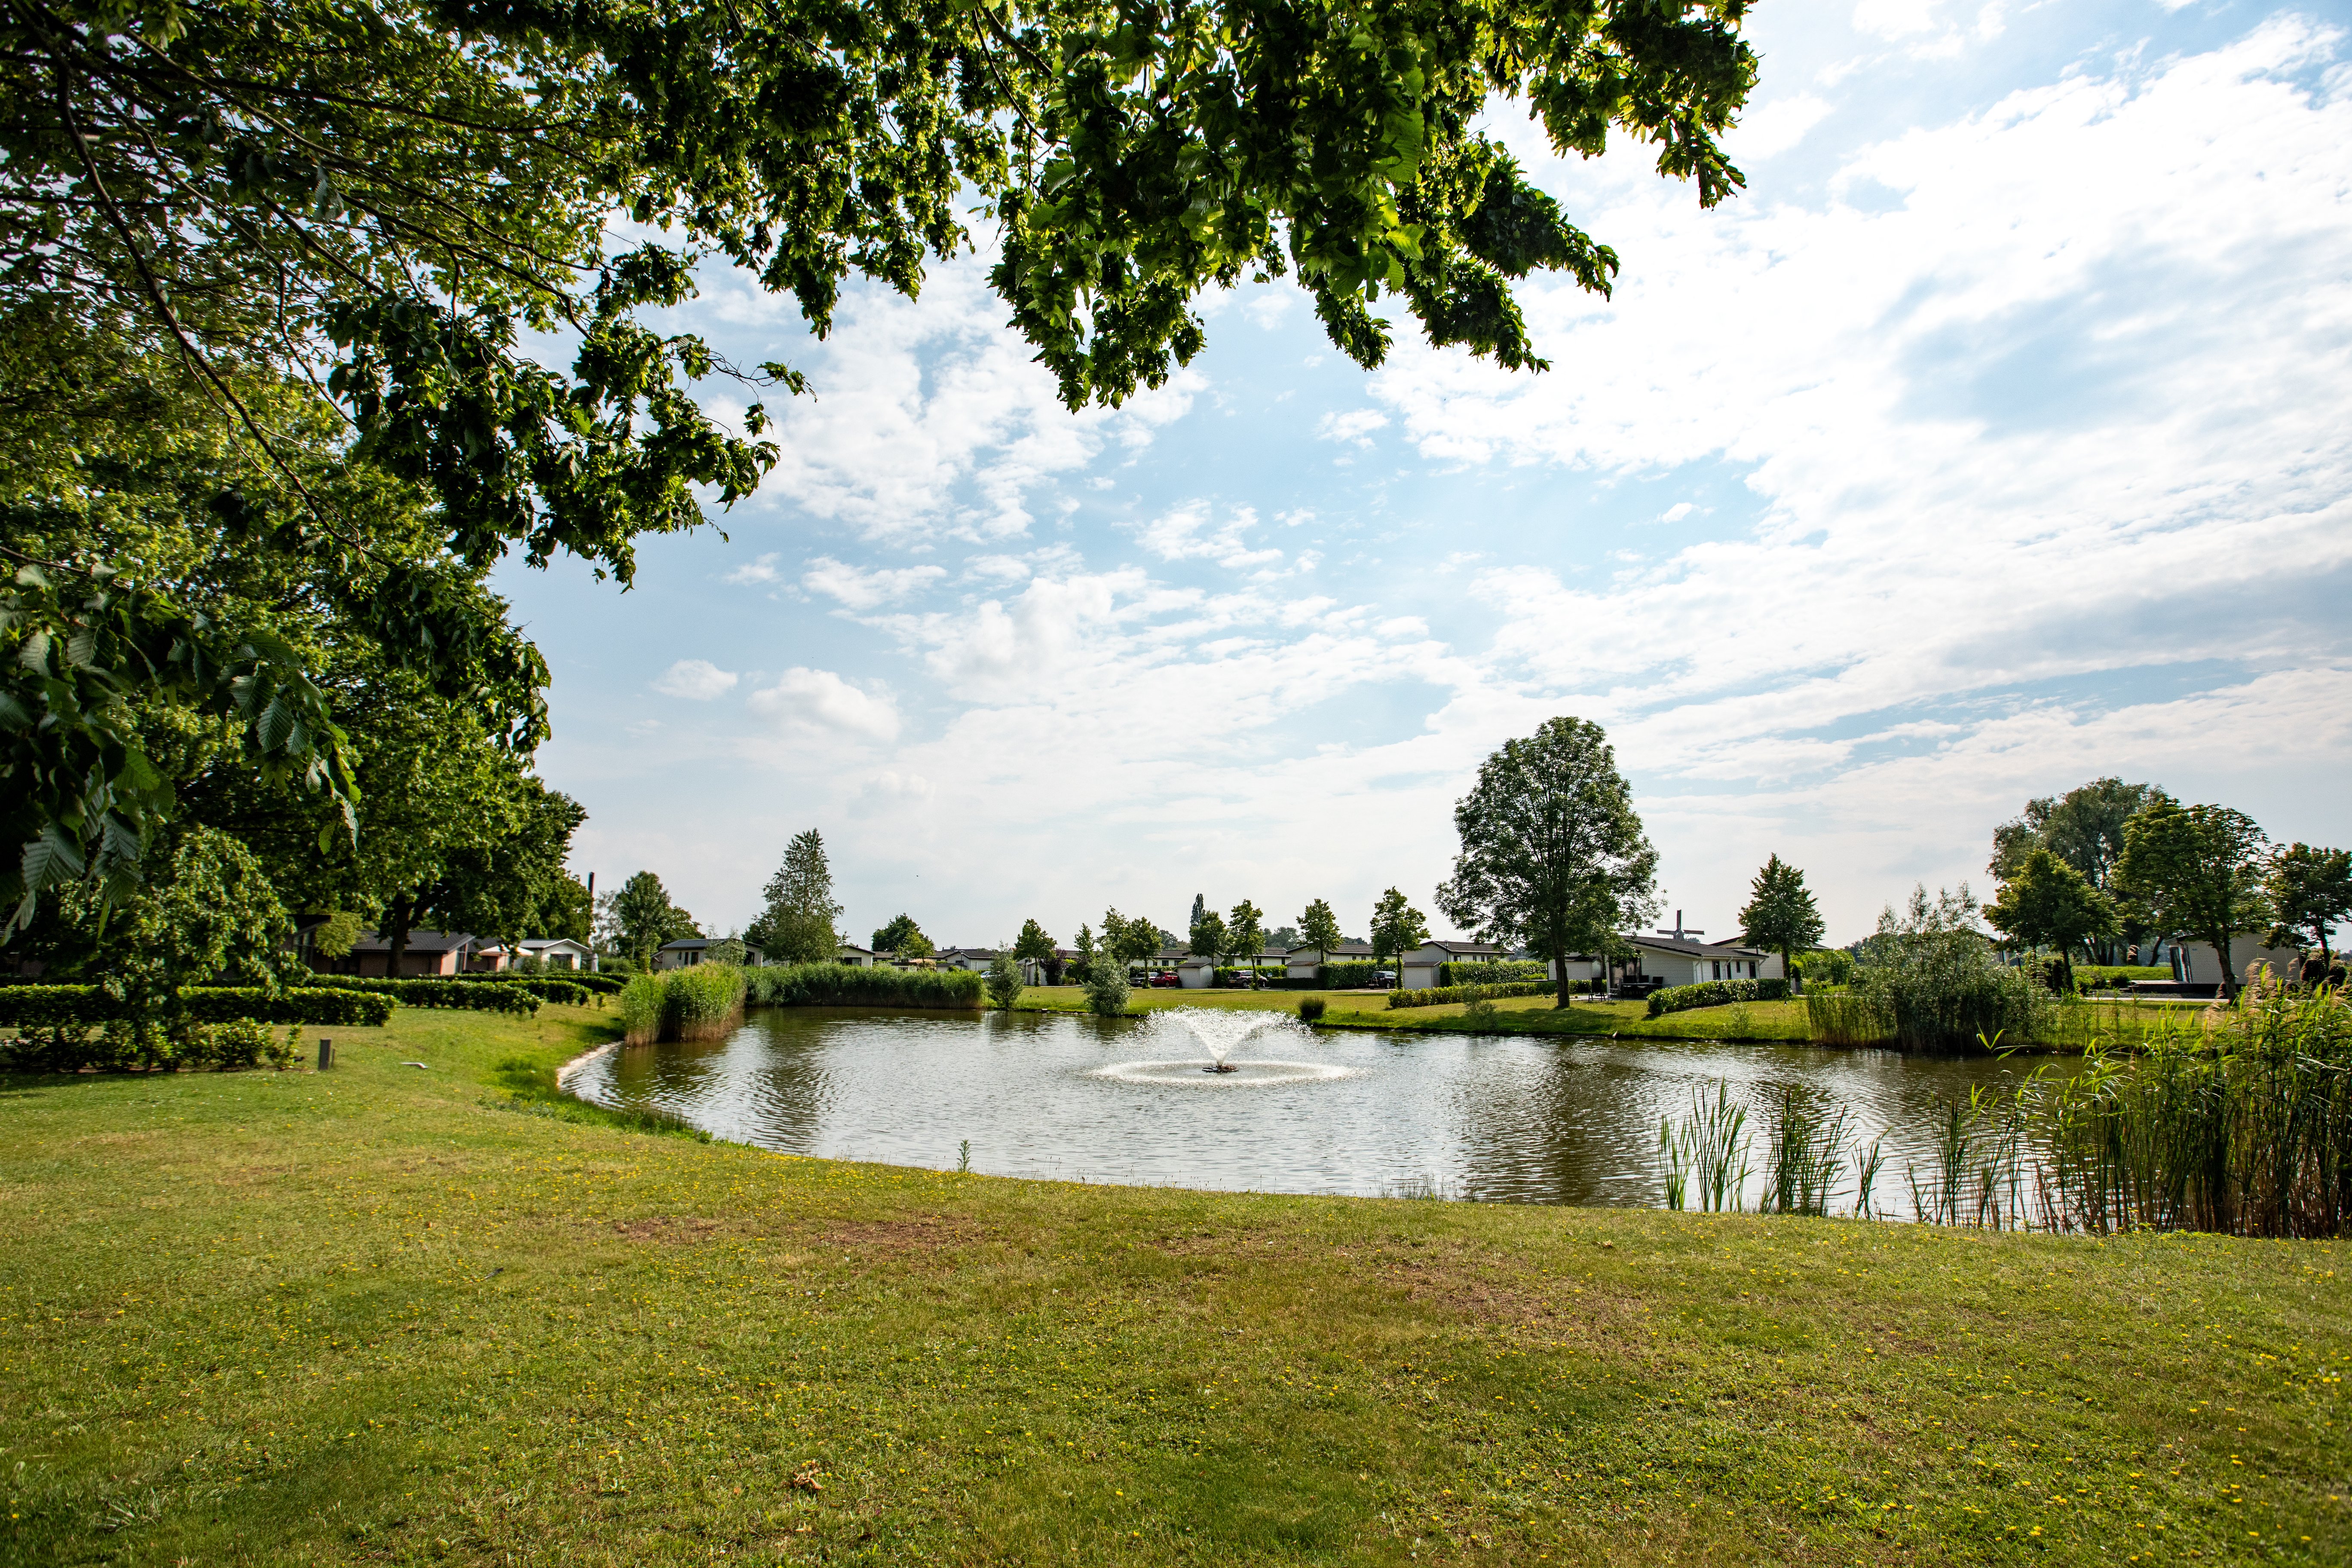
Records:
x=1220, y=1032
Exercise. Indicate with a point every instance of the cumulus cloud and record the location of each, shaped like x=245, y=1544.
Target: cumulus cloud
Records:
x=1355, y=426
x=762, y=570
x=1188, y=534
x=819, y=702
x=864, y=590
x=697, y=680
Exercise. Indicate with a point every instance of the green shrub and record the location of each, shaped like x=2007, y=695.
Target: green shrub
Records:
x=1716, y=993
x=843, y=985
x=1824, y=966
x=1845, y=1018
x=125, y=1045
x=1440, y=995
x=482, y=995
x=1003, y=980
x=1349, y=976
x=1935, y=984
x=1310, y=1009
x=54, y=1006
x=1501, y=971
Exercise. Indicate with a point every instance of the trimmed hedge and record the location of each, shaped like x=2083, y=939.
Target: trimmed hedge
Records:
x=121, y=1047
x=427, y=991
x=1440, y=995
x=844, y=986
x=1716, y=993
x=1351, y=976
x=68, y=1006
x=1501, y=971
x=585, y=979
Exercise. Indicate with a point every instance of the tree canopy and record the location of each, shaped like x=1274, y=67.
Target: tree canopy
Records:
x=797, y=924
x=903, y=937
x=640, y=918
x=2083, y=827
x=2197, y=871
x=1553, y=856
x=2047, y=903
x=1318, y=928
x=2310, y=894
x=1781, y=913
x=1397, y=927
x=1244, y=932
x=325, y=236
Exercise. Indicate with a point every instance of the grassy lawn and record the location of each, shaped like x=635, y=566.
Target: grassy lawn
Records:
x=385, y=1315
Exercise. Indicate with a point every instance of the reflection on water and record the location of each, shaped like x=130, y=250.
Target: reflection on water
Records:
x=1494, y=1119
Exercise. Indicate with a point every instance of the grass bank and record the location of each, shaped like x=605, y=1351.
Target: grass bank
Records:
x=382, y=1315
x=2115, y=1023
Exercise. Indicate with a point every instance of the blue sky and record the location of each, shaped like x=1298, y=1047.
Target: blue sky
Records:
x=1995, y=440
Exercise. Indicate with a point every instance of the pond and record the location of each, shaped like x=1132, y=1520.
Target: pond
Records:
x=1493, y=1119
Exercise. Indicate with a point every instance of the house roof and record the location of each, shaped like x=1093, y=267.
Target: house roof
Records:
x=1689, y=949
x=418, y=942
x=1480, y=948
x=1346, y=949
x=964, y=953
x=852, y=947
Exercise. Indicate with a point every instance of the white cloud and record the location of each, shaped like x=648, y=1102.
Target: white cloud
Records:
x=1676, y=512
x=1184, y=533
x=1775, y=127
x=697, y=680
x=1268, y=306
x=862, y=590
x=1356, y=425
x=819, y=702
x=762, y=570
x=929, y=417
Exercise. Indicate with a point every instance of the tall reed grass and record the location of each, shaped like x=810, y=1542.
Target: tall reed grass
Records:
x=1705, y=1158
x=1804, y=1149
x=846, y=985
x=703, y=1002
x=2240, y=1124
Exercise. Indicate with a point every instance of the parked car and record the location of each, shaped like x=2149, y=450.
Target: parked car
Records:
x=1383, y=978
x=1162, y=977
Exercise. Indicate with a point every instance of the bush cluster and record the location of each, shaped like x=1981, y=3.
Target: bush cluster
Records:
x=1349, y=976
x=55, y=1006
x=1716, y=993
x=483, y=995
x=1439, y=996
x=122, y=1046
x=846, y=985
x=1502, y=972
x=585, y=979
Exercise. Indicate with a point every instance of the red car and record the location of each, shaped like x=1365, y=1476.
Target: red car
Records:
x=1162, y=977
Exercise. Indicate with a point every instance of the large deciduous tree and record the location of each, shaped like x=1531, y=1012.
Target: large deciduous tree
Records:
x=1553, y=856
x=1781, y=913
x=2047, y=903
x=903, y=937
x=797, y=925
x=1246, y=935
x=2310, y=894
x=2083, y=827
x=387, y=206
x=2196, y=870
x=643, y=918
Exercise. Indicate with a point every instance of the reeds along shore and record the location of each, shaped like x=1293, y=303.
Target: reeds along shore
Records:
x=2238, y=1120
x=704, y=1001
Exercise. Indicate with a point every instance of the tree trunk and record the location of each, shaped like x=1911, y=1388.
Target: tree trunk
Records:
x=2229, y=976
x=400, y=913
x=1560, y=983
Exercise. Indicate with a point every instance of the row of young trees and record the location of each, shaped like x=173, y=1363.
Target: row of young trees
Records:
x=2111, y=863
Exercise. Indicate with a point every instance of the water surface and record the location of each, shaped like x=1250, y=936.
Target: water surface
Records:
x=1497, y=1119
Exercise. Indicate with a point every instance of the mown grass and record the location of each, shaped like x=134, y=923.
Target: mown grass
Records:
x=376, y=1316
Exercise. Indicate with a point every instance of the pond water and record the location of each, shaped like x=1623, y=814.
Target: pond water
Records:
x=1494, y=1119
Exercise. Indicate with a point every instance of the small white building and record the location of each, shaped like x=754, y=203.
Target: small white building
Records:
x=1679, y=961
x=1420, y=968
x=687, y=952
x=553, y=952
x=972, y=958
x=2196, y=963
x=856, y=957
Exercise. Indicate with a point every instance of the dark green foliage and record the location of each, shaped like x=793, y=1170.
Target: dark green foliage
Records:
x=2048, y=903
x=121, y=1046
x=2310, y=894
x=640, y=919
x=1929, y=981
x=2083, y=827
x=796, y=925
x=904, y=937
x=846, y=985
x=1825, y=966
x=1500, y=972
x=1553, y=857
x=2195, y=870
x=1443, y=995
x=1349, y=976
x=1397, y=927
x=1003, y=979
x=482, y=996
x=1714, y=993
x=48, y=1006
x=1310, y=1009
x=1781, y=915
